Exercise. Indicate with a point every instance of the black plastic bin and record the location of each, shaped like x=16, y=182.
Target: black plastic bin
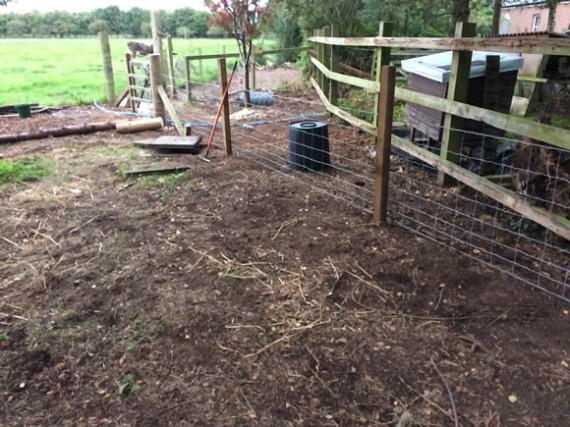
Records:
x=309, y=146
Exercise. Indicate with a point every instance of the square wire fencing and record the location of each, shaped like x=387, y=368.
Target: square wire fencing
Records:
x=456, y=216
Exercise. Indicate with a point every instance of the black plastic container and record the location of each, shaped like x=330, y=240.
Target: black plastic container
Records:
x=309, y=146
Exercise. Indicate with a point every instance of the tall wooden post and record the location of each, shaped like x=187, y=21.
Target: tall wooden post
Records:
x=107, y=66
x=320, y=50
x=326, y=61
x=382, y=57
x=158, y=109
x=334, y=67
x=188, y=83
x=491, y=102
x=200, y=63
x=384, y=117
x=457, y=90
x=169, y=51
x=223, y=77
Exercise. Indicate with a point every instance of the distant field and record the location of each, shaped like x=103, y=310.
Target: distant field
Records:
x=70, y=71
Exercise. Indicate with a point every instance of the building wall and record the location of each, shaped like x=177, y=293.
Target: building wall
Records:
x=520, y=19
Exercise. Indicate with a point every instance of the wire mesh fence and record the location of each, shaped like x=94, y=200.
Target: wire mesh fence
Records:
x=457, y=216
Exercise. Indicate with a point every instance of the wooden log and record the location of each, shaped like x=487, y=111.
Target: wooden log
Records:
x=57, y=132
x=140, y=125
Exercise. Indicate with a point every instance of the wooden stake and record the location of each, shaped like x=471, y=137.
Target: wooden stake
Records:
x=457, y=90
x=384, y=114
x=107, y=66
x=382, y=56
x=334, y=67
x=155, y=82
x=326, y=60
x=223, y=78
x=188, y=84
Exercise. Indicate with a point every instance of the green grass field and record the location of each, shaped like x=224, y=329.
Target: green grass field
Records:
x=70, y=71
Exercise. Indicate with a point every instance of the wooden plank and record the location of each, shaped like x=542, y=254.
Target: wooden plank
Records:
x=283, y=50
x=211, y=56
x=384, y=114
x=156, y=170
x=350, y=80
x=515, y=44
x=226, y=130
x=171, y=142
x=171, y=111
x=551, y=135
x=457, y=90
x=555, y=223
x=367, y=127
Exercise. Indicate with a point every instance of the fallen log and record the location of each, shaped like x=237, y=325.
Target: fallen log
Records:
x=57, y=132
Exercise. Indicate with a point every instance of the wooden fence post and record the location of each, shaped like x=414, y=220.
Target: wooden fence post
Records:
x=169, y=51
x=457, y=90
x=491, y=102
x=200, y=63
x=320, y=48
x=326, y=61
x=156, y=39
x=158, y=109
x=384, y=114
x=382, y=58
x=188, y=84
x=334, y=67
x=227, y=136
x=107, y=66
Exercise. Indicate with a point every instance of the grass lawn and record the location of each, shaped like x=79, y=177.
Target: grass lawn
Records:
x=70, y=71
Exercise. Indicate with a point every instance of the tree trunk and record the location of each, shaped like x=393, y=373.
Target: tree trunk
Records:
x=497, y=6
x=459, y=13
x=247, y=94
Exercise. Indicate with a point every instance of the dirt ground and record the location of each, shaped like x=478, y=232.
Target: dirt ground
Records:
x=228, y=295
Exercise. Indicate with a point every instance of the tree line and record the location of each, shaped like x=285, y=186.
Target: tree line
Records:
x=135, y=22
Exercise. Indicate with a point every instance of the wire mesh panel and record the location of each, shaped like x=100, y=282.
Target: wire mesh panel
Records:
x=456, y=216
x=483, y=228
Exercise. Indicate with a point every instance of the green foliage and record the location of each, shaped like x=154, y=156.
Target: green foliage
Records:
x=287, y=32
x=24, y=170
x=99, y=26
x=3, y=336
x=127, y=385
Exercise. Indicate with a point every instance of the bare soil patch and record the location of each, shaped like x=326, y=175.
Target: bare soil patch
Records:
x=230, y=295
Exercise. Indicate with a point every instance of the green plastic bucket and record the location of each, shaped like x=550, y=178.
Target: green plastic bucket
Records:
x=24, y=110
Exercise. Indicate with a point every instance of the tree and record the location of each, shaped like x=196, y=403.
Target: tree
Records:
x=287, y=31
x=459, y=13
x=4, y=2
x=241, y=18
